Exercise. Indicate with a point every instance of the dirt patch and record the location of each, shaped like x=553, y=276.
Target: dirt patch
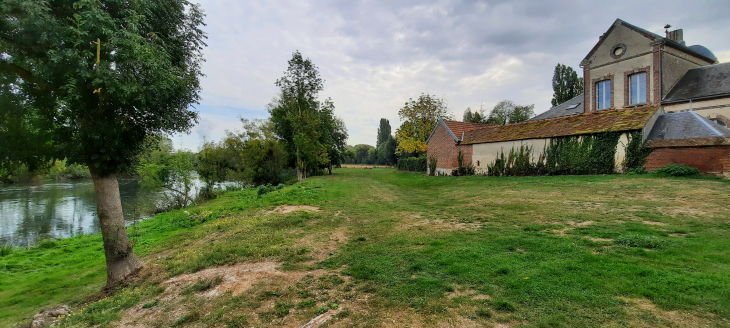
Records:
x=654, y=223
x=581, y=224
x=439, y=225
x=600, y=239
x=583, y=205
x=683, y=210
x=639, y=307
x=236, y=278
x=286, y=209
x=322, y=246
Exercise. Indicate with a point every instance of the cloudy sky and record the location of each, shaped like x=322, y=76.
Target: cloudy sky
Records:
x=375, y=55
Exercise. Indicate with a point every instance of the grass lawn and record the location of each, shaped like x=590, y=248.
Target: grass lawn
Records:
x=387, y=248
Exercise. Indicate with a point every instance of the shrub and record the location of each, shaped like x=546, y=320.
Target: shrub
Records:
x=414, y=164
x=6, y=250
x=432, y=162
x=265, y=189
x=46, y=243
x=678, y=170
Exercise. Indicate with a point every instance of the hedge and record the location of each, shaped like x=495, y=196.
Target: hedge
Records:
x=415, y=164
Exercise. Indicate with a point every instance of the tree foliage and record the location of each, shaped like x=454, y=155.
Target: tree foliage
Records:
x=506, y=112
x=566, y=84
x=476, y=116
x=312, y=135
x=383, y=132
x=419, y=119
x=94, y=109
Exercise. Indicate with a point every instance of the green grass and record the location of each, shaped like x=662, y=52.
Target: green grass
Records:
x=570, y=251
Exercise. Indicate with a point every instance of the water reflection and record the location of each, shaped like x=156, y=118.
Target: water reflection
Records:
x=62, y=209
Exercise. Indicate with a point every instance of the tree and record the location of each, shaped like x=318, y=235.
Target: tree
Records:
x=506, y=112
x=334, y=134
x=566, y=84
x=419, y=119
x=383, y=132
x=522, y=113
x=386, y=152
x=476, y=116
x=501, y=112
x=312, y=135
x=172, y=172
x=361, y=153
x=94, y=78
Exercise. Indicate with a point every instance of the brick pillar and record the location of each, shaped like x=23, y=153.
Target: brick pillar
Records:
x=587, y=96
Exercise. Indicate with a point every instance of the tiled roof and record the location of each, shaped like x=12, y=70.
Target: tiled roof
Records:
x=458, y=127
x=701, y=82
x=562, y=109
x=594, y=122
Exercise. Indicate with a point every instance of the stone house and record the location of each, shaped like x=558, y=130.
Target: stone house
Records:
x=677, y=96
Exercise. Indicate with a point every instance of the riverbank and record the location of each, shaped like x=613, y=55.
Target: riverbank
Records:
x=379, y=247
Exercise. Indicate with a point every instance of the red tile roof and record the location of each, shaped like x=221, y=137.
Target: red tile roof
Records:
x=594, y=122
x=458, y=127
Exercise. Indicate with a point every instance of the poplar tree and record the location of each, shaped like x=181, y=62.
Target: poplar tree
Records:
x=383, y=132
x=566, y=84
x=93, y=78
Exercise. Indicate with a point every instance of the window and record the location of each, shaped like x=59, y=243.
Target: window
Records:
x=637, y=87
x=603, y=94
x=573, y=106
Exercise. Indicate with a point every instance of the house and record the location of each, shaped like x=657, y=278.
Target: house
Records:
x=677, y=97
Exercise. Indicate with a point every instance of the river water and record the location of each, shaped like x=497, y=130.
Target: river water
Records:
x=29, y=212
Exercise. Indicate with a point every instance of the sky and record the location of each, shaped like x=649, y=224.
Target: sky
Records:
x=375, y=55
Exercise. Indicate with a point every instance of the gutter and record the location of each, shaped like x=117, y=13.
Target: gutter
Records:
x=722, y=95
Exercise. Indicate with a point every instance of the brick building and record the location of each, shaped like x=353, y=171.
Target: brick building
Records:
x=678, y=96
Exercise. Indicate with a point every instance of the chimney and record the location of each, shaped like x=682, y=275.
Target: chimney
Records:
x=676, y=36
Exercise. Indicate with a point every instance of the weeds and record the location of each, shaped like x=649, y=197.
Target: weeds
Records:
x=202, y=285
x=6, y=250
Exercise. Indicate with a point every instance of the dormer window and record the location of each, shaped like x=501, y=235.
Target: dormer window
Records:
x=637, y=88
x=603, y=94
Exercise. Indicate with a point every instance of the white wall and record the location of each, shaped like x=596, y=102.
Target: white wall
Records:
x=486, y=153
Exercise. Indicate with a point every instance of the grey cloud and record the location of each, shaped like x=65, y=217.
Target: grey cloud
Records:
x=374, y=55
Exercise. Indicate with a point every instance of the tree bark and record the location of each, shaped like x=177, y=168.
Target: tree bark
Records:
x=120, y=258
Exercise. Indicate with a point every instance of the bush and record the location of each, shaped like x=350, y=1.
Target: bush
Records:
x=414, y=164
x=265, y=189
x=678, y=170
x=432, y=162
x=6, y=250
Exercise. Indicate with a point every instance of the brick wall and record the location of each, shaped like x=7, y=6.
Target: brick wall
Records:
x=444, y=148
x=709, y=159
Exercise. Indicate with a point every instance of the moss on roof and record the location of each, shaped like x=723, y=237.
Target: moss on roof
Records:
x=594, y=122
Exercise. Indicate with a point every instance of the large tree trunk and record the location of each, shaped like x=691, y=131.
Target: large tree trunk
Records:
x=120, y=258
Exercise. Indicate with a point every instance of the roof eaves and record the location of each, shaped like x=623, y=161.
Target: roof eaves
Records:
x=447, y=129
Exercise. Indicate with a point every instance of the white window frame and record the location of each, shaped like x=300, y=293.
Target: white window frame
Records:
x=637, y=89
x=603, y=94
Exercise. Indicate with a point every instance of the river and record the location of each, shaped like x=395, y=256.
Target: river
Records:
x=29, y=212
